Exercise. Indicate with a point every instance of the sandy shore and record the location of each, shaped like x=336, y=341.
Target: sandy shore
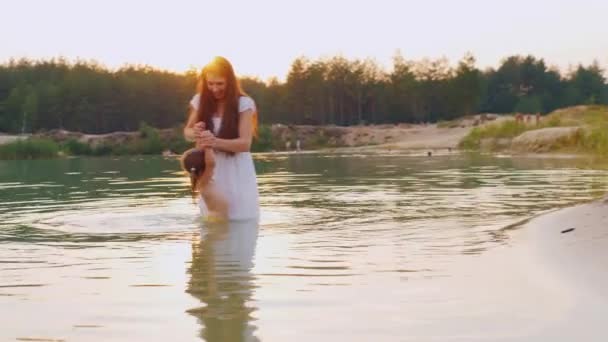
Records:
x=572, y=244
x=571, y=268
x=428, y=137
x=540, y=285
x=420, y=137
x=552, y=278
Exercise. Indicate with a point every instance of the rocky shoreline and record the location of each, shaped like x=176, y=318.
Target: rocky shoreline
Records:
x=281, y=137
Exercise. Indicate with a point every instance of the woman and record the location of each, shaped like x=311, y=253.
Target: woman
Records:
x=223, y=117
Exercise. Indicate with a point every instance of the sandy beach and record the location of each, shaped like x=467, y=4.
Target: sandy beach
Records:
x=573, y=243
x=415, y=137
x=569, y=248
x=549, y=283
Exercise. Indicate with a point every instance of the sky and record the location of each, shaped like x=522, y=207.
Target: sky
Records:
x=262, y=38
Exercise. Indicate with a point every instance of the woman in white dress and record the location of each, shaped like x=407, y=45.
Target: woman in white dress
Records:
x=223, y=117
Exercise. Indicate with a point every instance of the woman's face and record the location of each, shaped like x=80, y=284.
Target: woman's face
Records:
x=217, y=86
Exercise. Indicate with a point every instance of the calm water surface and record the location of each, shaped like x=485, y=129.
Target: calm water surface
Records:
x=349, y=248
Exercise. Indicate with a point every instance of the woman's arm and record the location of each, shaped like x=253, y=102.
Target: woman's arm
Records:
x=243, y=142
x=192, y=127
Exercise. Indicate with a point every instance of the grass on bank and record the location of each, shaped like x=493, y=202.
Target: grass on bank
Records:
x=592, y=138
x=148, y=142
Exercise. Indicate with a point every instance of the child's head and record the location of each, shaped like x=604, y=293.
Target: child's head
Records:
x=193, y=162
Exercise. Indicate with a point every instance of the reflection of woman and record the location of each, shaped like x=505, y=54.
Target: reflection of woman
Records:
x=221, y=279
x=224, y=118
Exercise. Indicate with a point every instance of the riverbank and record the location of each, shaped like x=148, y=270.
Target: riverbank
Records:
x=276, y=137
x=570, y=131
x=578, y=130
x=57, y=143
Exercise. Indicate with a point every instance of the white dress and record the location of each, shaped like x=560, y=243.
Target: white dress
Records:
x=234, y=176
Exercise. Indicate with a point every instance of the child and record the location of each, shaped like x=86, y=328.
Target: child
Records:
x=200, y=163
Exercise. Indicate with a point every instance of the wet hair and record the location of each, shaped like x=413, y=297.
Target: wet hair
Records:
x=193, y=162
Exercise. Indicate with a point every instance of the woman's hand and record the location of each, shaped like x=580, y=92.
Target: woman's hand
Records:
x=207, y=139
x=199, y=128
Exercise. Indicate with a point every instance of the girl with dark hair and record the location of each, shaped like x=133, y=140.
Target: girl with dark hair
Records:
x=200, y=165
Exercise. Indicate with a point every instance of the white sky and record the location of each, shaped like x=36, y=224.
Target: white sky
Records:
x=262, y=37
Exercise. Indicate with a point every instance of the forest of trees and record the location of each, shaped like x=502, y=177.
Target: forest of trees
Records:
x=86, y=97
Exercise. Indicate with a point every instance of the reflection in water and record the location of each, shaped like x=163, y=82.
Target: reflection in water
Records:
x=222, y=281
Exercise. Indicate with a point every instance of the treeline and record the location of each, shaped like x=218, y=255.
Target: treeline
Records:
x=86, y=97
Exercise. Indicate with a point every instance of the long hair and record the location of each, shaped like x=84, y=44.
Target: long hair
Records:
x=229, y=129
x=193, y=162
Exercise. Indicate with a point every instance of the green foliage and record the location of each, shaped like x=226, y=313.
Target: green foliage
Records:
x=104, y=150
x=146, y=131
x=86, y=97
x=75, y=147
x=176, y=142
x=505, y=129
x=592, y=138
x=472, y=141
x=148, y=144
x=149, y=141
x=529, y=105
x=554, y=121
x=595, y=141
x=29, y=149
x=264, y=141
